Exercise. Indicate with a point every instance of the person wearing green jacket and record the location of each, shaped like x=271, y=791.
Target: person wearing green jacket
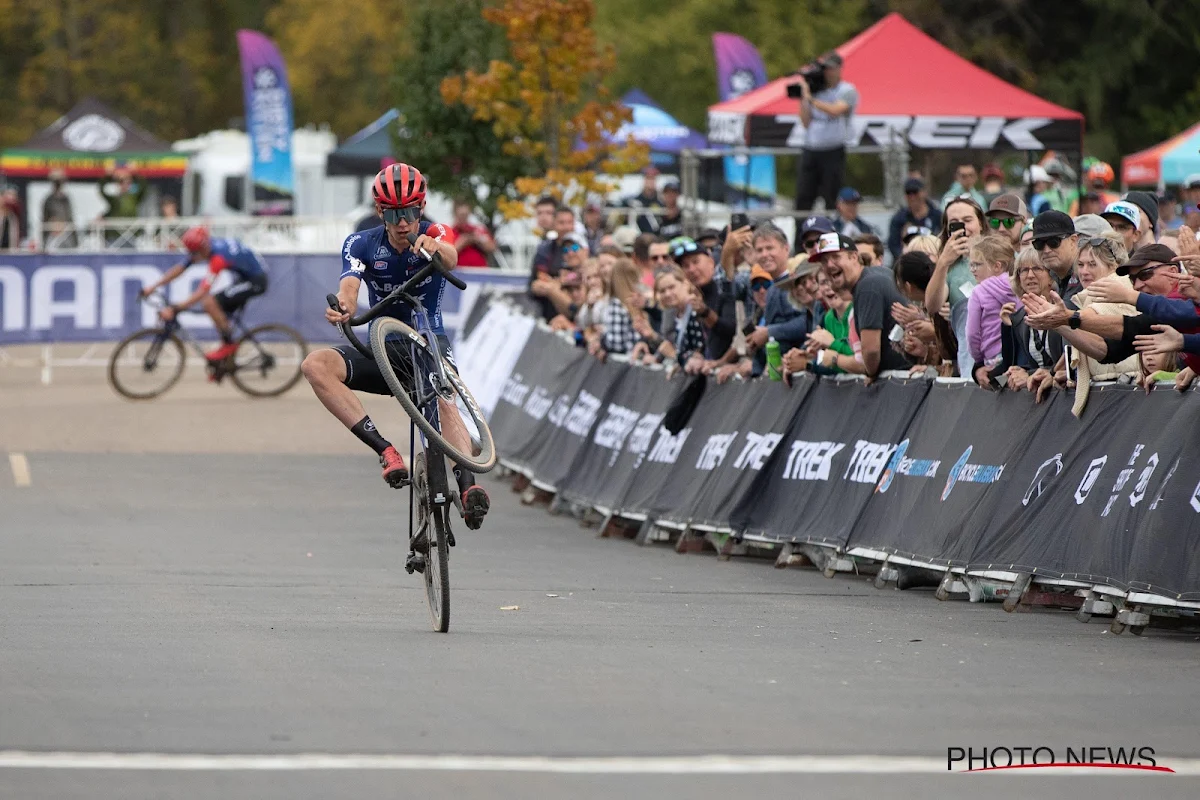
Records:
x=833, y=337
x=125, y=196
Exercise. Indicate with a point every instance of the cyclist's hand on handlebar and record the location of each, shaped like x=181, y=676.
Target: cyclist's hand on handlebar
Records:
x=426, y=243
x=167, y=313
x=348, y=308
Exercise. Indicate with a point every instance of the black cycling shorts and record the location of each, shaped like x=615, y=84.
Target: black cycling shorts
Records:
x=232, y=298
x=363, y=375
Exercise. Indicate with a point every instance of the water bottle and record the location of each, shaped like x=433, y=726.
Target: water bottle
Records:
x=774, y=360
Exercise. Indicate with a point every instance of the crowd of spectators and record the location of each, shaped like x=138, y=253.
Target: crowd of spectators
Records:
x=983, y=286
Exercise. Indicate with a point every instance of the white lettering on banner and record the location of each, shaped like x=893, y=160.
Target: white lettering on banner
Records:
x=1089, y=479
x=712, y=455
x=666, y=450
x=613, y=430
x=81, y=308
x=1122, y=478
x=1139, y=490
x=643, y=434
x=941, y=133
x=955, y=132
x=726, y=128
x=1041, y=477
x=539, y=403
x=811, y=461
x=901, y=464
x=514, y=391
x=759, y=447
x=1163, y=488
x=867, y=461
x=583, y=413
x=12, y=295
x=558, y=414
x=112, y=297
x=884, y=130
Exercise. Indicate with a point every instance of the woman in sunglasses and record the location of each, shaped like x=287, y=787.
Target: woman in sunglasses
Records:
x=1099, y=258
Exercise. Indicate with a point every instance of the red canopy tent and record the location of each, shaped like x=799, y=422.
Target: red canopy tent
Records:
x=912, y=86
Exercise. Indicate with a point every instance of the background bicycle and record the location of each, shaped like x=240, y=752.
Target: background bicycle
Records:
x=150, y=361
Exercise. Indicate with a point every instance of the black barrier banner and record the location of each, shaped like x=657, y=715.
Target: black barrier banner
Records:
x=824, y=471
x=943, y=484
x=571, y=421
x=542, y=387
x=626, y=428
x=1097, y=486
x=754, y=417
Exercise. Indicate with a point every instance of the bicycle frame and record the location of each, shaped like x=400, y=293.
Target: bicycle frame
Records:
x=176, y=328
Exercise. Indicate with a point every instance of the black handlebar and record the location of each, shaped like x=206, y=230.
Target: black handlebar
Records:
x=435, y=265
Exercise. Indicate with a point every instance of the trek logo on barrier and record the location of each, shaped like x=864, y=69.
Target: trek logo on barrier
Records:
x=712, y=455
x=616, y=426
x=811, y=461
x=667, y=449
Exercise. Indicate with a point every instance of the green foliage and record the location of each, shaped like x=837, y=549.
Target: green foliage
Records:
x=444, y=140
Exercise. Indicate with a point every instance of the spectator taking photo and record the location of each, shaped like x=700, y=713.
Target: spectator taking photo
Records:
x=827, y=118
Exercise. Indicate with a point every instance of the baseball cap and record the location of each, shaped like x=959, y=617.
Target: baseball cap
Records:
x=709, y=233
x=1147, y=254
x=1009, y=203
x=913, y=185
x=1092, y=225
x=671, y=186
x=1146, y=202
x=1125, y=210
x=915, y=230
x=1049, y=224
x=757, y=273
x=687, y=248
x=624, y=237
x=818, y=224
x=1192, y=181
x=830, y=59
x=832, y=243
x=1037, y=174
x=849, y=194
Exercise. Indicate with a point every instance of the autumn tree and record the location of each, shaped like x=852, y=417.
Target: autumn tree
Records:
x=460, y=155
x=548, y=104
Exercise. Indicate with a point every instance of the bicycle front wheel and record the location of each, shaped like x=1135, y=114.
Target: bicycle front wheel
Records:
x=405, y=360
x=267, y=361
x=146, y=363
x=431, y=521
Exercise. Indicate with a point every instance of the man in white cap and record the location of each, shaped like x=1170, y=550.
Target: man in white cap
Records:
x=1125, y=219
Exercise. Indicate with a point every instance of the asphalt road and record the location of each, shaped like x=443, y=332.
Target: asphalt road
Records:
x=253, y=605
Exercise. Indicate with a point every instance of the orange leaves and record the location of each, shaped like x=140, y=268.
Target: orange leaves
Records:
x=547, y=103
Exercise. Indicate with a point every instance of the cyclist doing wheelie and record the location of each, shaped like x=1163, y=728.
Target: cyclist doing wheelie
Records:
x=250, y=280
x=384, y=259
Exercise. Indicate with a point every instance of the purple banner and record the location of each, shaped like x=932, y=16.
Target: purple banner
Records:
x=749, y=180
x=269, y=123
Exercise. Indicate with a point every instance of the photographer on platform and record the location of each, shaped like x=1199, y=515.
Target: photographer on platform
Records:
x=827, y=106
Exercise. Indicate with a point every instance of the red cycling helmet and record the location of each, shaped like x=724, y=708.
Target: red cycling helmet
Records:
x=1100, y=171
x=399, y=185
x=195, y=239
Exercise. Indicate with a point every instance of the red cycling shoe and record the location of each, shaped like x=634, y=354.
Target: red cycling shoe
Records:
x=221, y=353
x=395, y=474
x=475, y=506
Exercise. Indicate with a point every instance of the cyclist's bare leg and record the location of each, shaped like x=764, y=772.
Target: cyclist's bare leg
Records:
x=453, y=427
x=326, y=373
x=214, y=310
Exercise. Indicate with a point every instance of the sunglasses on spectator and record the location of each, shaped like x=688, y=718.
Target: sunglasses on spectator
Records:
x=409, y=214
x=810, y=243
x=571, y=247
x=760, y=284
x=660, y=257
x=1008, y=222
x=1030, y=271
x=1145, y=274
x=1100, y=241
x=1052, y=242
x=912, y=191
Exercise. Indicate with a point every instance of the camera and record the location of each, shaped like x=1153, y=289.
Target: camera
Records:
x=740, y=220
x=814, y=73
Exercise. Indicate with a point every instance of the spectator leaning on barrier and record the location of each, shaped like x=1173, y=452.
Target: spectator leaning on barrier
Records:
x=681, y=336
x=548, y=257
x=591, y=311
x=758, y=287
x=1007, y=215
x=558, y=305
x=789, y=316
x=1030, y=354
x=965, y=178
x=832, y=339
x=870, y=248
x=917, y=212
x=962, y=226
x=927, y=337
x=619, y=317
x=827, y=118
x=845, y=219
x=992, y=263
x=715, y=306
x=1169, y=320
x=874, y=290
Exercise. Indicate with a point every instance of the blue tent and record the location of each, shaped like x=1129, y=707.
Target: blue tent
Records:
x=665, y=134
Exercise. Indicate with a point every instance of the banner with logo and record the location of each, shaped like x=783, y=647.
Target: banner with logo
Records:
x=749, y=180
x=93, y=297
x=269, y=123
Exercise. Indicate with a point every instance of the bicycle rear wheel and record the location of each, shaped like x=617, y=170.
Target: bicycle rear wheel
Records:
x=268, y=360
x=396, y=347
x=146, y=363
x=431, y=522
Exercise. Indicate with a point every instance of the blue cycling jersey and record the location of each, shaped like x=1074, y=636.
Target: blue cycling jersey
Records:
x=370, y=257
x=232, y=255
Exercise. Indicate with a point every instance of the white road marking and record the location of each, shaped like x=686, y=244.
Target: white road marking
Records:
x=20, y=469
x=616, y=765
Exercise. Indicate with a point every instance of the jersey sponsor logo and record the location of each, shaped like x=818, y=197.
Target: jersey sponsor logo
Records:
x=356, y=265
x=350, y=240
x=381, y=265
x=382, y=252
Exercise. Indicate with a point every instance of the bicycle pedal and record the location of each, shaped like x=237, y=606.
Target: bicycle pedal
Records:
x=420, y=544
x=414, y=562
